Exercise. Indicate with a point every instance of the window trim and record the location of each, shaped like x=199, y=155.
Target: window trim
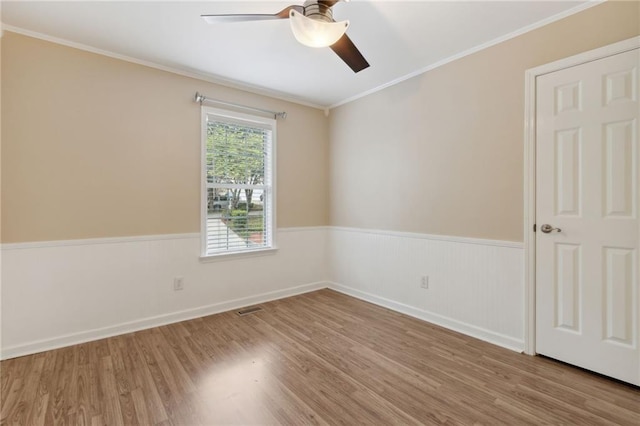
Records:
x=272, y=223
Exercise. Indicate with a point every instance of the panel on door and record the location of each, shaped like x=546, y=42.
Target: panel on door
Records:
x=587, y=159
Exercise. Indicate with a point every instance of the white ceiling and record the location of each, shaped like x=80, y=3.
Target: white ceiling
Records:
x=398, y=38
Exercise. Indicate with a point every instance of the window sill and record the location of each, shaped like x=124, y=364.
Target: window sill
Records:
x=238, y=255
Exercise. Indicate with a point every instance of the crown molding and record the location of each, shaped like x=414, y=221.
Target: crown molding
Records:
x=262, y=91
x=514, y=34
x=209, y=78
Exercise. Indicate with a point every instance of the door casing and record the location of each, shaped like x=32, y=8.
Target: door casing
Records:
x=530, y=172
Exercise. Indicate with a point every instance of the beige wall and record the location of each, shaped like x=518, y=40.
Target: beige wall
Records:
x=442, y=153
x=97, y=147
x=1, y=34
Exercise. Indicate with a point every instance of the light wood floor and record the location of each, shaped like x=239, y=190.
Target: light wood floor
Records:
x=319, y=358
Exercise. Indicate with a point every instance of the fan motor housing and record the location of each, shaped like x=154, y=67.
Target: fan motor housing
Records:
x=318, y=11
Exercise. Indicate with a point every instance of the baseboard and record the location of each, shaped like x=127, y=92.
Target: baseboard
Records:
x=156, y=321
x=455, y=325
x=160, y=320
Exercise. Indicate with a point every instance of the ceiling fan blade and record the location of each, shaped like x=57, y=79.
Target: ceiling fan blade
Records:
x=350, y=54
x=239, y=17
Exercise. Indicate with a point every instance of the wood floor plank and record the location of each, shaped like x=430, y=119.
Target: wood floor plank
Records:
x=154, y=380
x=12, y=372
x=39, y=408
x=112, y=412
x=316, y=359
x=83, y=411
x=12, y=399
x=28, y=392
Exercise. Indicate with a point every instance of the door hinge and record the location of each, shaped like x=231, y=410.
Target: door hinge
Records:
x=534, y=227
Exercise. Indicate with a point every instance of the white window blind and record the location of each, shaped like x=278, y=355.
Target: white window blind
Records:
x=238, y=208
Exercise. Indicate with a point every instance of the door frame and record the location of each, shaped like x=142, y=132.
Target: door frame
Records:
x=530, y=171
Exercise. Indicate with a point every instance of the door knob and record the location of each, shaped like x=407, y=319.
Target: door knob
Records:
x=546, y=228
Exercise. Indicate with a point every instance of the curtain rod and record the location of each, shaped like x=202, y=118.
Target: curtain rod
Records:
x=201, y=98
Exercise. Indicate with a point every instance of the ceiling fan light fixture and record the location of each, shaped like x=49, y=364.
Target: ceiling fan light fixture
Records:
x=316, y=32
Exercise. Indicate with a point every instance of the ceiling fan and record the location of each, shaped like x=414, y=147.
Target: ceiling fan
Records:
x=313, y=25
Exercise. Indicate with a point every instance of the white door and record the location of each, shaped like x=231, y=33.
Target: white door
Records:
x=587, y=158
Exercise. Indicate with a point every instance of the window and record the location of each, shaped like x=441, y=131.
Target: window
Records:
x=238, y=212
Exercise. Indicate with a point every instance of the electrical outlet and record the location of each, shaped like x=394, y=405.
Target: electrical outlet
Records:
x=178, y=284
x=424, y=282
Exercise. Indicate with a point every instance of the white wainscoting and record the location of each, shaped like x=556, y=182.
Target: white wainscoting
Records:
x=65, y=292
x=60, y=293
x=476, y=286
